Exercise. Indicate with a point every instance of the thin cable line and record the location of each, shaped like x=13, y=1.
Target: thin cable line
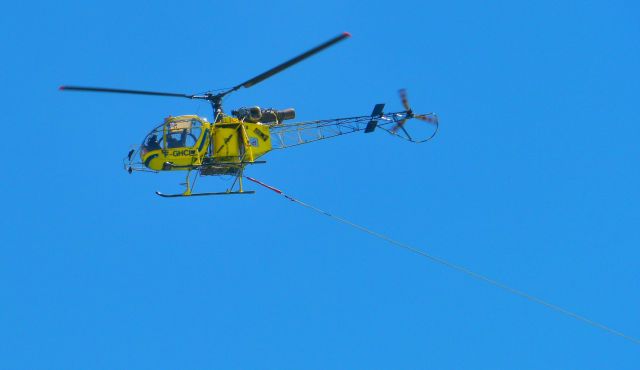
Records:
x=456, y=267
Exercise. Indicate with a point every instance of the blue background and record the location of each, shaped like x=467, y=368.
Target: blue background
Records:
x=533, y=181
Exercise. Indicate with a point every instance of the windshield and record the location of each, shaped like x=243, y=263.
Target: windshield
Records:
x=154, y=140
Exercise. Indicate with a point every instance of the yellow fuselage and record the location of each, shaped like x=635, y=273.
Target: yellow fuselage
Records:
x=228, y=141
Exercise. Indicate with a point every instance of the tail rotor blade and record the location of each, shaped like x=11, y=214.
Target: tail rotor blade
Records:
x=399, y=125
x=405, y=101
x=427, y=118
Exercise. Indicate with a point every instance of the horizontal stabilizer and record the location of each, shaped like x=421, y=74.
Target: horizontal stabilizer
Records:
x=377, y=112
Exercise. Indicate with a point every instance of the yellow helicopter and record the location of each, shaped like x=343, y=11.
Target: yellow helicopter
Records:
x=231, y=142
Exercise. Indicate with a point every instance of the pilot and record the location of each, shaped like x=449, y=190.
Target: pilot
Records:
x=152, y=143
x=177, y=143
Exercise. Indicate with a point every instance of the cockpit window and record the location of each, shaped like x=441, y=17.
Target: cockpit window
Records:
x=194, y=134
x=183, y=133
x=154, y=140
x=176, y=139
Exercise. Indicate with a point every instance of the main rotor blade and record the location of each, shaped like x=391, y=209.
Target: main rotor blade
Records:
x=123, y=91
x=261, y=77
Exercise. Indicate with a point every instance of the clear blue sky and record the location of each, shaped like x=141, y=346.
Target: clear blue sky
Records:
x=533, y=181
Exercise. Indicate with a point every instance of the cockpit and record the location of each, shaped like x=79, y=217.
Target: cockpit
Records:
x=175, y=132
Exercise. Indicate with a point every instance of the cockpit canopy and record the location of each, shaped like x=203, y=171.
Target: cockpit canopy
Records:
x=174, y=132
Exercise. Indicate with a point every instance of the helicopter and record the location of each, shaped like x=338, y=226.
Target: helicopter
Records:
x=229, y=143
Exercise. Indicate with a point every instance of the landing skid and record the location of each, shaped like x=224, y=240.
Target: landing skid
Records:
x=189, y=186
x=203, y=194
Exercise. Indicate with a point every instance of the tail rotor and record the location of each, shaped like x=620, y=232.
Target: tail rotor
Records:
x=408, y=114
